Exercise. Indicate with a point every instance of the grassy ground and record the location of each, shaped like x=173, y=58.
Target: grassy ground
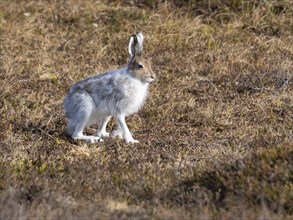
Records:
x=215, y=133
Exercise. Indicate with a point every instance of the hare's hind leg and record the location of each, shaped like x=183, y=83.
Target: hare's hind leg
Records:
x=89, y=139
x=101, y=131
x=76, y=127
x=79, y=117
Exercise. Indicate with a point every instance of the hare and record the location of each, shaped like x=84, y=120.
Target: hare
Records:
x=118, y=93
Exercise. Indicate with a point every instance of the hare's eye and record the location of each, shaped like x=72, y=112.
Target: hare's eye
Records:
x=140, y=66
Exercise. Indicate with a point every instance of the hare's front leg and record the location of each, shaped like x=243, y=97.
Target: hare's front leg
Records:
x=127, y=135
x=101, y=131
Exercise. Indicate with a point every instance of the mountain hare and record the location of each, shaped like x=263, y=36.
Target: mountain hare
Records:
x=117, y=93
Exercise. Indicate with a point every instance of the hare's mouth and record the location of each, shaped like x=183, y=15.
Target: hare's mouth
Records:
x=149, y=80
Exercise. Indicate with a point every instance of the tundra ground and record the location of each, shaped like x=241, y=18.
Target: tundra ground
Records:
x=215, y=133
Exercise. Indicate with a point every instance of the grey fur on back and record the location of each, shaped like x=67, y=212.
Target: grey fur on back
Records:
x=110, y=93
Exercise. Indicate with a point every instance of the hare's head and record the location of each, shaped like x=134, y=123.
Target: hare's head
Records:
x=138, y=66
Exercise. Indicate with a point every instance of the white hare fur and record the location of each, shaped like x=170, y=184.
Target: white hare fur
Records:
x=118, y=93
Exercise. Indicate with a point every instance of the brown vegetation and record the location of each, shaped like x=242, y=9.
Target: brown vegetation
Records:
x=215, y=133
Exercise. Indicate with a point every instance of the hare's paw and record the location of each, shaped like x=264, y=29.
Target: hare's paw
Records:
x=132, y=141
x=117, y=134
x=103, y=134
x=94, y=139
x=89, y=139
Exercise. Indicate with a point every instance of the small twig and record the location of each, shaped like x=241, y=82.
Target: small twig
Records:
x=285, y=83
x=207, y=81
x=45, y=133
x=49, y=120
x=259, y=89
x=202, y=158
x=199, y=158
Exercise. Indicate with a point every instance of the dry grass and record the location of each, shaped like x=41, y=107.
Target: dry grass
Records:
x=215, y=133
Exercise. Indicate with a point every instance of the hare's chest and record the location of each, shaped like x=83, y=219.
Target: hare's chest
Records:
x=136, y=96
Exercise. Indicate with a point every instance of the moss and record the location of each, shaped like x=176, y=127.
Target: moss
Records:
x=263, y=178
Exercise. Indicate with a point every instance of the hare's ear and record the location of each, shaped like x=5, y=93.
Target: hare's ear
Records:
x=135, y=45
x=140, y=39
